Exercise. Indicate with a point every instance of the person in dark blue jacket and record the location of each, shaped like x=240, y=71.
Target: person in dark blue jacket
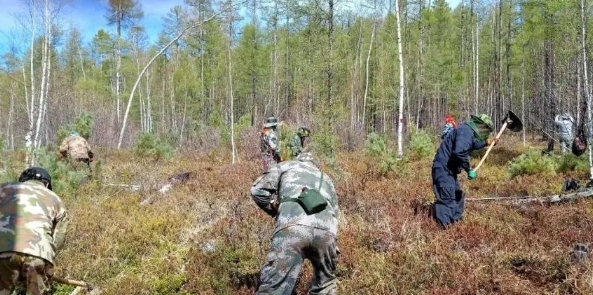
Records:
x=452, y=158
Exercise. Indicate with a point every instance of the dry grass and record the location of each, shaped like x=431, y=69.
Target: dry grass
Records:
x=125, y=248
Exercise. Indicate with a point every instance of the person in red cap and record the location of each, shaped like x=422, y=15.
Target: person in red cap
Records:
x=450, y=125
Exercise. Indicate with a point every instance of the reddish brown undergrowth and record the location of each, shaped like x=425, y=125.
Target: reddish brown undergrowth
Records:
x=208, y=237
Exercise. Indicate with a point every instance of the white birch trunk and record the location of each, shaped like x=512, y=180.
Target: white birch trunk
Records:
x=232, y=106
x=400, y=148
x=366, y=83
x=587, y=90
x=44, y=77
x=130, y=99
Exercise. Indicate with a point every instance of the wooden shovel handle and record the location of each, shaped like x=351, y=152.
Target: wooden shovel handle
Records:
x=69, y=282
x=504, y=126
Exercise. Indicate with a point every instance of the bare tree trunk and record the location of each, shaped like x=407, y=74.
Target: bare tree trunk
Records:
x=366, y=83
x=275, y=93
x=477, y=64
x=118, y=64
x=123, y=127
x=579, y=93
x=353, y=89
x=400, y=148
x=420, y=66
x=29, y=136
x=523, y=97
x=44, y=77
x=231, y=96
x=81, y=63
x=586, y=79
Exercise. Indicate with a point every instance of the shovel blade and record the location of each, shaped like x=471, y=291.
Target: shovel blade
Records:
x=513, y=122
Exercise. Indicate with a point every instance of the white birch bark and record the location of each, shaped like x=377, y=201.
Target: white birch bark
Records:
x=366, y=83
x=130, y=99
x=587, y=90
x=400, y=149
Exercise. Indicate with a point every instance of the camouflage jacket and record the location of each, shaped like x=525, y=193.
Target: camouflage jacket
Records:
x=77, y=146
x=296, y=145
x=287, y=180
x=269, y=143
x=32, y=220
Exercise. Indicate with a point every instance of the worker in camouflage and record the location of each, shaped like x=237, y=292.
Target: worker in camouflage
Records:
x=297, y=235
x=78, y=150
x=32, y=231
x=564, y=124
x=270, y=145
x=299, y=141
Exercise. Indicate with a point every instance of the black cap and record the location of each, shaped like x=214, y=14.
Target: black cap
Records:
x=36, y=173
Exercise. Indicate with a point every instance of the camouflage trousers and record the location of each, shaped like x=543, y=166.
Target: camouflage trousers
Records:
x=21, y=270
x=290, y=246
x=565, y=143
x=80, y=164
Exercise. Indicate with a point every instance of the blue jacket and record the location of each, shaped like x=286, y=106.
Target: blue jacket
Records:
x=453, y=153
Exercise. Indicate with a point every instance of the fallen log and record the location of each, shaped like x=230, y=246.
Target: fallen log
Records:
x=553, y=199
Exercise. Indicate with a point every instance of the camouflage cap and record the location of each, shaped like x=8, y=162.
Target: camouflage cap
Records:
x=482, y=125
x=271, y=122
x=308, y=157
x=36, y=173
x=304, y=132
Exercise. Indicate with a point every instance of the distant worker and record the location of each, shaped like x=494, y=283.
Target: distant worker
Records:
x=299, y=141
x=451, y=158
x=306, y=215
x=77, y=148
x=270, y=144
x=449, y=126
x=32, y=231
x=564, y=124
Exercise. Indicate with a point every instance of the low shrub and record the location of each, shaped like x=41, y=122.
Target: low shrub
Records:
x=65, y=179
x=570, y=162
x=422, y=144
x=377, y=146
x=150, y=146
x=83, y=124
x=532, y=163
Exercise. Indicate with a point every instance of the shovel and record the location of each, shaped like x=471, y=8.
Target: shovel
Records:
x=80, y=285
x=513, y=123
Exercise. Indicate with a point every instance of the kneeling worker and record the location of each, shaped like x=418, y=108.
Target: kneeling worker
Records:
x=306, y=225
x=78, y=149
x=32, y=231
x=452, y=158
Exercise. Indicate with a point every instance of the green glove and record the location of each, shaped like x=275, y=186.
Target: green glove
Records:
x=471, y=175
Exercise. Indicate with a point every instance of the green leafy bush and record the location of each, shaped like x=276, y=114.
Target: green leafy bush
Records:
x=323, y=143
x=377, y=146
x=532, y=163
x=422, y=144
x=149, y=146
x=83, y=124
x=570, y=162
x=65, y=180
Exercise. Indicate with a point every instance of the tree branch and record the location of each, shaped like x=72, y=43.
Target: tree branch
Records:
x=123, y=127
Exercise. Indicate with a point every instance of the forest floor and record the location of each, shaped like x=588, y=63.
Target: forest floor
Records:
x=206, y=236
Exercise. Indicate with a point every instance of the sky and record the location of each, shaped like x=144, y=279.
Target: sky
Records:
x=88, y=16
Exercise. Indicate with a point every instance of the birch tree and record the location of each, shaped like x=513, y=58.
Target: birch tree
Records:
x=586, y=78
x=400, y=148
x=122, y=13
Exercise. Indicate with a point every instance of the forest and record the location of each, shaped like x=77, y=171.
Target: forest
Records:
x=332, y=66
x=373, y=80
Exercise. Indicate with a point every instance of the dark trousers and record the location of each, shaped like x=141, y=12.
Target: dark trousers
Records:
x=450, y=201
